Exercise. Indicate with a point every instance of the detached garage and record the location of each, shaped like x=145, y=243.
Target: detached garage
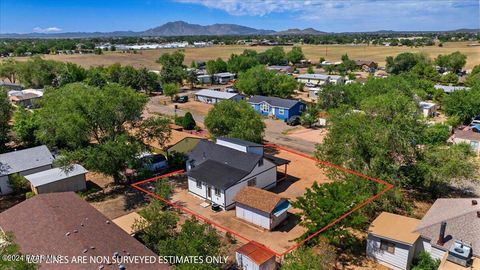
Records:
x=58, y=180
x=261, y=207
x=255, y=256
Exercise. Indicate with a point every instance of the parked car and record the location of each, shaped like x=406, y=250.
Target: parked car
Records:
x=153, y=162
x=231, y=90
x=181, y=99
x=293, y=120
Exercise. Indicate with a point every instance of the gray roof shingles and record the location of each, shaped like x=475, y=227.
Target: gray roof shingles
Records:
x=22, y=160
x=274, y=101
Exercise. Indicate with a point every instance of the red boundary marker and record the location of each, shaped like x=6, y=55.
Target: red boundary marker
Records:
x=387, y=188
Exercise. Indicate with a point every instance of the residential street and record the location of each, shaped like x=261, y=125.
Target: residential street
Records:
x=275, y=129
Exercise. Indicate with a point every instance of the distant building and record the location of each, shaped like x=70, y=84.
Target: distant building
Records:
x=470, y=136
x=212, y=96
x=320, y=79
x=366, y=65
x=428, y=109
x=255, y=256
x=313, y=92
x=23, y=162
x=277, y=107
x=204, y=79
x=281, y=69
x=10, y=86
x=223, y=78
x=449, y=88
x=25, y=98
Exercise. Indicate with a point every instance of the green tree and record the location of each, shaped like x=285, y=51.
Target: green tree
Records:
x=260, y=81
x=235, y=119
x=172, y=67
x=437, y=134
x=295, y=55
x=25, y=125
x=71, y=73
x=216, y=66
x=241, y=63
x=309, y=116
x=5, y=115
x=465, y=104
x=170, y=90
x=454, y=62
x=38, y=73
x=310, y=70
x=450, y=78
x=188, y=122
x=273, y=56
x=12, y=249
x=194, y=239
x=147, y=81
x=155, y=128
x=10, y=69
x=404, y=62
x=18, y=183
x=309, y=259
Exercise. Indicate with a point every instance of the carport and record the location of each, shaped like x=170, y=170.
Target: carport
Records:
x=279, y=162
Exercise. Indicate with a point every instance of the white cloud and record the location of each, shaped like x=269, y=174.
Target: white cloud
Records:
x=46, y=30
x=375, y=14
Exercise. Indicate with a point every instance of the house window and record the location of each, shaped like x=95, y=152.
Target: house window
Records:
x=281, y=111
x=199, y=184
x=264, y=107
x=387, y=246
x=217, y=192
x=252, y=182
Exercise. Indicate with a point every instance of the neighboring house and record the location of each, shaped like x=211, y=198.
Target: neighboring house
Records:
x=70, y=178
x=391, y=240
x=23, y=162
x=184, y=146
x=212, y=96
x=449, y=231
x=261, y=207
x=277, y=107
x=255, y=256
x=449, y=89
x=429, y=109
x=65, y=224
x=470, y=136
x=218, y=171
x=320, y=79
x=25, y=98
x=204, y=79
x=368, y=66
x=223, y=77
x=281, y=69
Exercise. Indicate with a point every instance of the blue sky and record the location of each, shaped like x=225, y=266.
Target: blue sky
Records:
x=17, y=16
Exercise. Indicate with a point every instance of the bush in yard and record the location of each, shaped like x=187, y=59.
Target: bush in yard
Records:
x=18, y=183
x=188, y=122
x=425, y=262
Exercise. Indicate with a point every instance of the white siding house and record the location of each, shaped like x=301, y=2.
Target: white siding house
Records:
x=71, y=178
x=320, y=79
x=212, y=96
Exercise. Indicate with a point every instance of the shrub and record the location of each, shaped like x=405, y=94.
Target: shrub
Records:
x=188, y=122
x=425, y=262
x=18, y=183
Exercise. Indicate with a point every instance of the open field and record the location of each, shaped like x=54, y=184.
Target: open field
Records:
x=147, y=58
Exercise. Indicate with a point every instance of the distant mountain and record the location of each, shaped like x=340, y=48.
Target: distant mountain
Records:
x=296, y=31
x=181, y=28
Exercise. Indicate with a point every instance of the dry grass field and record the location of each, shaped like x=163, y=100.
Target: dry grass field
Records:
x=147, y=58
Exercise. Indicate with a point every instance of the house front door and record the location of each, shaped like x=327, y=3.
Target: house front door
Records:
x=209, y=192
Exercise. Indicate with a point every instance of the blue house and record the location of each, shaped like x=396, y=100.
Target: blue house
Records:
x=279, y=107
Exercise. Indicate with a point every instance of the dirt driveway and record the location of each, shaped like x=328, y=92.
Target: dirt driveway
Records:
x=315, y=135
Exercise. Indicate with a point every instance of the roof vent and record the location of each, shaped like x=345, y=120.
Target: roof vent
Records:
x=92, y=247
x=101, y=267
x=108, y=221
x=122, y=267
x=478, y=214
x=67, y=234
x=116, y=254
x=474, y=202
x=75, y=231
x=85, y=250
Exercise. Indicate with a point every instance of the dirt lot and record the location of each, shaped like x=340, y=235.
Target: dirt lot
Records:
x=315, y=135
x=147, y=58
x=302, y=172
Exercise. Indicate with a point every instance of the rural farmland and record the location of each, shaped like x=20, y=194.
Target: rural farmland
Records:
x=147, y=58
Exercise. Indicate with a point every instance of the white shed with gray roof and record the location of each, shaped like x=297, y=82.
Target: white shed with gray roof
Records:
x=212, y=96
x=69, y=178
x=23, y=162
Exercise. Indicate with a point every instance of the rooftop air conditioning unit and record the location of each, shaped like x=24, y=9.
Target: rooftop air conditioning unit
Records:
x=460, y=253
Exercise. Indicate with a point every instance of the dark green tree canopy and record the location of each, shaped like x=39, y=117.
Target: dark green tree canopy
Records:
x=260, y=81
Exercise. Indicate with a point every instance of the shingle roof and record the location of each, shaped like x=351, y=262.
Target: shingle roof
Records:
x=51, y=224
x=462, y=222
x=257, y=198
x=217, y=174
x=256, y=251
x=55, y=174
x=239, y=142
x=215, y=94
x=395, y=227
x=274, y=101
x=22, y=160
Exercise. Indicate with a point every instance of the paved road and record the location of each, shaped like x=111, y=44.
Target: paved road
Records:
x=273, y=132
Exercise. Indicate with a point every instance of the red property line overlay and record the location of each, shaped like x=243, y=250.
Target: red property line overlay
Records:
x=387, y=188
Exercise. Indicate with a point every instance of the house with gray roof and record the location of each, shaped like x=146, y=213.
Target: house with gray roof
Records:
x=217, y=171
x=320, y=79
x=69, y=178
x=449, y=231
x=23, y=162
x=280, y=108
x=212, y=96
x=449, y=88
